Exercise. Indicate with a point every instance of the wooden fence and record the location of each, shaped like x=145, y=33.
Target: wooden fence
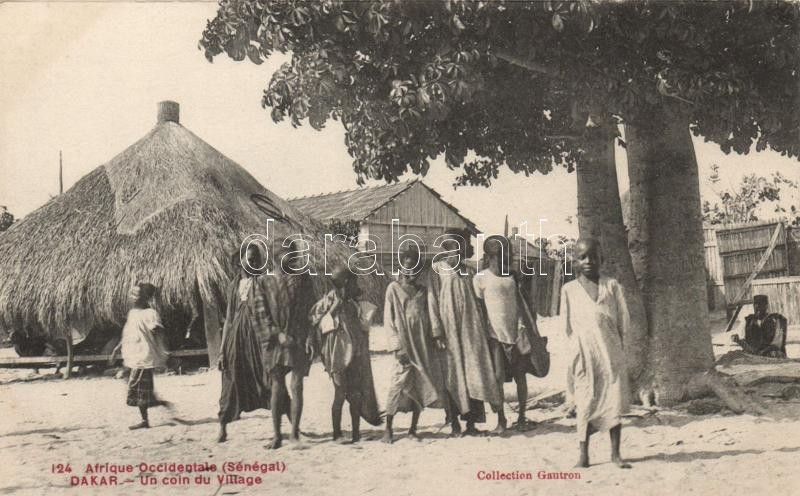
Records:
x=715, y=282
x=783, y=294
x=793, y=250
x=733, y=252
x=544, y=287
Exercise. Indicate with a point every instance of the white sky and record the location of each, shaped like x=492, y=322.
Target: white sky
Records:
x=85, y=79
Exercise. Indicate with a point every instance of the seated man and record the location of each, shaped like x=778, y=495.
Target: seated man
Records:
x=764, y=333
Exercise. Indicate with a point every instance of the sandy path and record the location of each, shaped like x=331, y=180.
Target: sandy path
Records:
x=85, y=421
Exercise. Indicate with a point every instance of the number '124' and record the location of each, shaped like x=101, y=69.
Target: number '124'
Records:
x=60, y=468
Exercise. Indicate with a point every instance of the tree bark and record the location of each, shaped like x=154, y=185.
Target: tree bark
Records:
x=666, y=246
x=600, y=217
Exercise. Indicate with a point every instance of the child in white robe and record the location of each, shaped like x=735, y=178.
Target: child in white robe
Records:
x=596, y=321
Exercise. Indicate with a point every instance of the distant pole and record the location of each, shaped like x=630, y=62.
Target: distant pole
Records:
x=70, y=351
x=70, y=348
x=505, y=227
x=70, y=355
x=60, y=174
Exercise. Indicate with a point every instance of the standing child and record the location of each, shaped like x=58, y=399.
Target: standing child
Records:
x=142, y=350
x=291, y=352
x=509, y=322
x=345, y=353
x=596, y=319
x=418, y=376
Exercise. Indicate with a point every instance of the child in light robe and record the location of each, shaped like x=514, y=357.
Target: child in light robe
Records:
x=344, y=349
x=143, y=350
x=509, y=321
x=418, y=377
x=596, y=320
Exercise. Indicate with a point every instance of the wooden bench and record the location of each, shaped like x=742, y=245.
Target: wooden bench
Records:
x=60, y=361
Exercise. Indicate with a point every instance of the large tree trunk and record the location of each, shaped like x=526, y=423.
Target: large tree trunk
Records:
x=600, y=217
x=666, y=244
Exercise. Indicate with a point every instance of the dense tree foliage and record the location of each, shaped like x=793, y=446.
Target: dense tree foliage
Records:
x=490, y=83
x=744, y=202
x=349, y=228
x=537, y=85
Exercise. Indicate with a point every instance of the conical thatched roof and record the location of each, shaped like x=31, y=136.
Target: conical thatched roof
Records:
x=170, y=210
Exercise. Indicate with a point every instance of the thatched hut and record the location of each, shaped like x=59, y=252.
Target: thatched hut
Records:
x=170, y=210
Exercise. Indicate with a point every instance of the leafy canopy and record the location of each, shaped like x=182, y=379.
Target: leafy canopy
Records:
x=487, y=83
x=743, y=202
x=349, y=228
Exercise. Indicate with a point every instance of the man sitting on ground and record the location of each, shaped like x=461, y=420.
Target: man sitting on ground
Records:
x=764, y=333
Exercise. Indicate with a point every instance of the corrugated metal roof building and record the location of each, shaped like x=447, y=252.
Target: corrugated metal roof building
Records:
x=418, y=209
x=421, y=211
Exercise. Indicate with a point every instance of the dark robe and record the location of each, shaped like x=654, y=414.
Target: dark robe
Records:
x=766, y=338
x=249, y=328
x=296, y=301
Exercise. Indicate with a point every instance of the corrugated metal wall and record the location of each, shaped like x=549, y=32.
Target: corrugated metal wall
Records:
x=420, y=212
x=417, y=206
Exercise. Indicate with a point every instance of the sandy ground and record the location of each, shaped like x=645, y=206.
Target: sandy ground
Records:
x=48, y=421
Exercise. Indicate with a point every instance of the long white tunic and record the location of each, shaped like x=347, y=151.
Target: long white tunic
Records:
x=597, y=379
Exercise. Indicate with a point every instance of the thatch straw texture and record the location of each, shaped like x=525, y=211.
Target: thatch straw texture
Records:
x=169, y=210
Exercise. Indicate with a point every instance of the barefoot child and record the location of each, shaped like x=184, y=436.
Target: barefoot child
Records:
x=418, y=376
x=344, y=351
x=291, y=352
x=142, y=350
x=596, y=319
x=509, y=322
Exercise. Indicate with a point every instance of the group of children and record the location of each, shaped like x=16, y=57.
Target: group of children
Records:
x=456, y=337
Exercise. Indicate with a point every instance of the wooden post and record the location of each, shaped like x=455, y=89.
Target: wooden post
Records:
x=211, y=324
x=558, y=281
x=70, y=354
x=60, y=174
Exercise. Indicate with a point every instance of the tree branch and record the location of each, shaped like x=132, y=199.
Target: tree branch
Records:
x=549, y=71
x=526, y=63
x=564, y=136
